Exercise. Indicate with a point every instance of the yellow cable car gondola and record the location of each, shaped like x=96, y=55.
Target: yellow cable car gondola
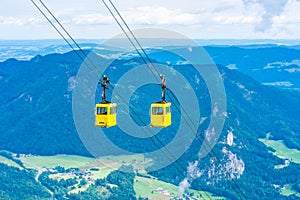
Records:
x=160, y=112
x=105, y=111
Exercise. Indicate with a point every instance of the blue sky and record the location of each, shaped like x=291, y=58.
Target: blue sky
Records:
x=214, y=19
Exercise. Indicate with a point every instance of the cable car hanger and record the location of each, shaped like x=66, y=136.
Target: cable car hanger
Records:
x=160, y=112
x=104, y=83
x=105, y=111
x=163, y=87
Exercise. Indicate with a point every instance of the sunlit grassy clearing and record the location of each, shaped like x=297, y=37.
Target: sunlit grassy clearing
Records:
x=287, y=191
x=9, y=162
x=66, y=161
x=283, y=151
x=145, y=187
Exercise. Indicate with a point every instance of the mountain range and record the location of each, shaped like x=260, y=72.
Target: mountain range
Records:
x=36, y=107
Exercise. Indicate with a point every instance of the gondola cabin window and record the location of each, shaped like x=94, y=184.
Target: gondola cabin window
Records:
x=101, y=111
x=157, y=110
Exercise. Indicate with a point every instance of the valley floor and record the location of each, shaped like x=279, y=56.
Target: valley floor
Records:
x=87, y=170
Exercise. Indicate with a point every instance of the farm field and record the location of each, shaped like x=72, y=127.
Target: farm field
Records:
x=156, y=189
x=282, y=151
x=66, y=161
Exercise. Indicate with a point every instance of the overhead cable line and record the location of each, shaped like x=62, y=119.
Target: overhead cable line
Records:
x=58, y=31
x=128, y=37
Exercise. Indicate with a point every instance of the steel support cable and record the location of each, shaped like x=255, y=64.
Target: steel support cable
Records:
x=69, y=35
x=132, y=34
x=58, y=31
x=149, y=60
x=128, y=37
x=96, y=74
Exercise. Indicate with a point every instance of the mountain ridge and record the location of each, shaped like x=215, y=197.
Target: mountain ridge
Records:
x=37, y=119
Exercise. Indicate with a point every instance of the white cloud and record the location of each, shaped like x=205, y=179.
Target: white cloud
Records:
x=240, y=19
x=18, y=21
x=197, y=19
x=89, y=19
x=149, y=15
x=271, y=9
x=159, y=15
